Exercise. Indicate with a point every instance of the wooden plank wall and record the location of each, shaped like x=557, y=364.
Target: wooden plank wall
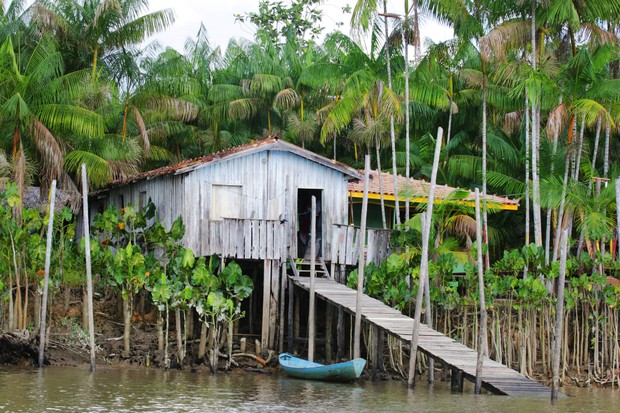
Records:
x=346, y=245
x=248, y=239
x=270, y=182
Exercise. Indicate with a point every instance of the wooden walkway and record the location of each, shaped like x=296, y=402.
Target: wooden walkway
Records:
x=497, y=378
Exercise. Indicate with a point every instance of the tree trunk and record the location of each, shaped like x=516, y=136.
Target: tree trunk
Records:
x=127, y=306
x=229, y=344
x=607, y=143
x=46, y=282
x=527, y=177
x=160, y=332
x=380, y=177
x=485, y=226
x=535, y=142
x=549, y=212
x=407, y=133
x=392, y=132
x=179, y=328
x=559, y=309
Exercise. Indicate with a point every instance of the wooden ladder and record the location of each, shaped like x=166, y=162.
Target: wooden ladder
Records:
x=302, y=268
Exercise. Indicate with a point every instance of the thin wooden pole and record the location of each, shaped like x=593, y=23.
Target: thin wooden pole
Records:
x=89, y=276
x=291, y=311
x=428, y=314
x=46, y=280
x=361, y=263
x=266, y=299
x=482, y=337
x=424, y=263
x=618, y=215
x=282, y=307
x=311, y=310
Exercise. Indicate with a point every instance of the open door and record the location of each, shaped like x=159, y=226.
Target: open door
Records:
x=304, y=222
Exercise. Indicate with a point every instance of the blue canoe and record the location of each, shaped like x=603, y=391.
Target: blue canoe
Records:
x=304, y=369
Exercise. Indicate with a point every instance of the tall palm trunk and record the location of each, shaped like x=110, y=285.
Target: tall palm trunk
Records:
x=527, y=177
x=392, y=131
x=559, y=310
x=606, y=160
x=549, y=211
x=407, y=137
x=380, y=178
x=485, y=226
x=535, y=143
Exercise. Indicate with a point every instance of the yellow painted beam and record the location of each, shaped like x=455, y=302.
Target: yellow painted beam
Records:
x=419, y=200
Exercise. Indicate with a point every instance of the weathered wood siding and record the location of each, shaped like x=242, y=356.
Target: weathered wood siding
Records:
x=166, y=192
x=346, y=245
x=269, y=182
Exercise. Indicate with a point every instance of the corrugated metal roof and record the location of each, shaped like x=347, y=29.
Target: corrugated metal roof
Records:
x=418, y=189
x=273, y=143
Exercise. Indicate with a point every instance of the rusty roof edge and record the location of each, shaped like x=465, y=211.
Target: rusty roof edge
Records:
x=270, y=143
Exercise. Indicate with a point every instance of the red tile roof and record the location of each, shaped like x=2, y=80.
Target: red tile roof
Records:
x=418, y=189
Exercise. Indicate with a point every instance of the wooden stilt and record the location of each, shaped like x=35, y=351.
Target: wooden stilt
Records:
x=274, y=305
x=340, y=335
x=328, y=332
x=456, y=381
x=266, y=302
x=283, y=279
x=291, y=311
x=375, y=352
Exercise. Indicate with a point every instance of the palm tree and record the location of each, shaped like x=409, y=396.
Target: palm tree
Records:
x=37, y=107
x=363, y=13
x=91, y=30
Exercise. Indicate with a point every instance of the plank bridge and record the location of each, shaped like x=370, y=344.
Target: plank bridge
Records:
x=497, y=378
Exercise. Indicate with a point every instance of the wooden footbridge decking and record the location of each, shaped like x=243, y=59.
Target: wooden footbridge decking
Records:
x=497, y=378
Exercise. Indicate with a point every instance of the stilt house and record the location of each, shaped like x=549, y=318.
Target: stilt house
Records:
x=251, y=203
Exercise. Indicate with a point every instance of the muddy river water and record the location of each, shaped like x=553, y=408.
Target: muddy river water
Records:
x=68, y=389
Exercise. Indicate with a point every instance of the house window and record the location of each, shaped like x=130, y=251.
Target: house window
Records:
x=142, y=200
x=226, y=201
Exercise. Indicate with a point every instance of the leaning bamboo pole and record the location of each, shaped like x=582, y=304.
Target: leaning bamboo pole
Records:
x=46, y=279
x=311, y=311
x=361, y=240
x=424, y=262
x=482, y=337
x=618, y=214
x=89, y=277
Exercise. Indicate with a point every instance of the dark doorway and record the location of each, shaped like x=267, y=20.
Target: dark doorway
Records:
x=304, y=221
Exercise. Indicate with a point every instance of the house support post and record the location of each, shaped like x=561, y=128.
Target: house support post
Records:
x=375, y=351
x=340, y=335
x=282, y=307
x=275, y=298
x=291, y=310
x=456, y=380
x=328, y=332
x=266, y=302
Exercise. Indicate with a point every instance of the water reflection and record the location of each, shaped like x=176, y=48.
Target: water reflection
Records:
x=110, y=390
